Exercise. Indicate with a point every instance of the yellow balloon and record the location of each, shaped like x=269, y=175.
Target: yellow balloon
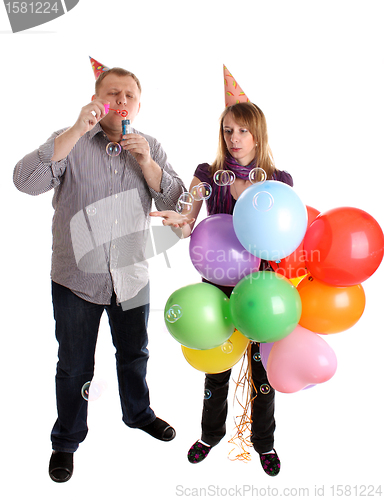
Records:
x=296, y=281
x=218, y=359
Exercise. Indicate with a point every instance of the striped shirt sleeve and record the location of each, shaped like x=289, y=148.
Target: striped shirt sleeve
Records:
x=36, y=173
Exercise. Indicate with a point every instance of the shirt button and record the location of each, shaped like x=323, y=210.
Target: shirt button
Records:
x=116, y=221
x=115, y=171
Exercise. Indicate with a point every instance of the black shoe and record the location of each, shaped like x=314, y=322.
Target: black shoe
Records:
x=160, y=430
x=270, y=463
x=197, y=452
x=61, y=466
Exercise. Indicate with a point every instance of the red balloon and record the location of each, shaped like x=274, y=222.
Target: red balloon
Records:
x=294, y=264
x=343, y=246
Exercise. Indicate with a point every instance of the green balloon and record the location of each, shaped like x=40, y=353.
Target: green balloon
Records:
x=265, y=306
x=198, y=316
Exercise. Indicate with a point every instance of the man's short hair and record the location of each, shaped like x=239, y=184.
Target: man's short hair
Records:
x=118, y=72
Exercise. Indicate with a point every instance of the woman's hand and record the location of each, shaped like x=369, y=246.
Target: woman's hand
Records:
x=172, y=218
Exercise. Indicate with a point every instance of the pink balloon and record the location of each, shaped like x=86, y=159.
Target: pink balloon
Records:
x=301, y=359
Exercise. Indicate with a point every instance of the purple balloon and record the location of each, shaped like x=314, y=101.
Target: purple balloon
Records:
x=217, y=253
x=265, y=349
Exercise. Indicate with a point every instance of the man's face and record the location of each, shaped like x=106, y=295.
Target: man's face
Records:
x=123, y=93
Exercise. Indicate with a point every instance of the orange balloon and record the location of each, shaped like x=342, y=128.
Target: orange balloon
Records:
x=329, y=309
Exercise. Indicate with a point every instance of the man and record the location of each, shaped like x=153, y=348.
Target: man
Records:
x=100, y=230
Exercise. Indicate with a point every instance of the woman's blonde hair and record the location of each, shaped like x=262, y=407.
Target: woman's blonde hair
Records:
x=251, y=117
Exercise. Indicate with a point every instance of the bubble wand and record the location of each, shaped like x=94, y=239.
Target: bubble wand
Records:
x=122, y=112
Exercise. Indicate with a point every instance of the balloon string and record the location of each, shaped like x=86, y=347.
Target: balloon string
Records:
x=241, y=437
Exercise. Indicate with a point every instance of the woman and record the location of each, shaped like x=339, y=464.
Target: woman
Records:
x=243, y=146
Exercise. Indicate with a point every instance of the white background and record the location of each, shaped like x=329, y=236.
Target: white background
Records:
x=316, y=70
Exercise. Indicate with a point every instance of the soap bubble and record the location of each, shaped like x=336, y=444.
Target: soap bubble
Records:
x=113, y=149
x=224, y=177
x=207, y=394
x=257, y=175
x=184, y=203
x=201, y=191
x=257, y=356
x=227, y=347
x=265, y=389
x=93, y=390
x=174, y=313
x=263, y=201
x=85, y=390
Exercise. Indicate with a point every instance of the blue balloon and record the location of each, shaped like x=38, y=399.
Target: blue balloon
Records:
x=270, y=220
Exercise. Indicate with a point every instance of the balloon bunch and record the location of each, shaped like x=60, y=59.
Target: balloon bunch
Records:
x=326, y=255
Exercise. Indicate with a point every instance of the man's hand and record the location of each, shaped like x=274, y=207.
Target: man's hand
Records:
x=138, y=146
x=89, y=116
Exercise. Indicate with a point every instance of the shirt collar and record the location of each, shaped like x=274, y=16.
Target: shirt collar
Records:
x=96, y=130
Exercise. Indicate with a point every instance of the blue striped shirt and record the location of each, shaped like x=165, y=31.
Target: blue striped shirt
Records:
x=100, y=226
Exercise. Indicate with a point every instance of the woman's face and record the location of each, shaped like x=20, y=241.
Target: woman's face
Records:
x=240, y=142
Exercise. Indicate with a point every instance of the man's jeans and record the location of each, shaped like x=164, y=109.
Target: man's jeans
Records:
x=77, y=325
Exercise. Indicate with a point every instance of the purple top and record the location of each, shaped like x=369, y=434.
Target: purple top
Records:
x=203, y=174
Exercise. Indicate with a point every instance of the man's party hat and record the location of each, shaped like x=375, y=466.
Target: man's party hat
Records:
x=97, y=67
